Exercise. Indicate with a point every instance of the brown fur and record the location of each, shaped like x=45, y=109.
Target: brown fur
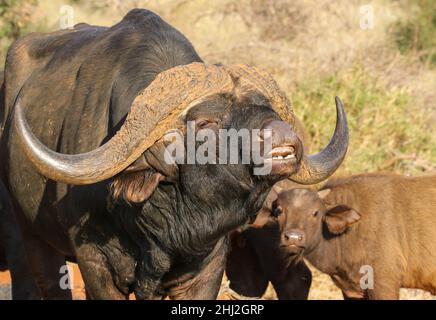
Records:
x=135, y=187
x=256, y=257
x=385, y=221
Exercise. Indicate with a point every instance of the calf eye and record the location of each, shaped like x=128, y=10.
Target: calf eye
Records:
x=315, y=213
x=277, y=211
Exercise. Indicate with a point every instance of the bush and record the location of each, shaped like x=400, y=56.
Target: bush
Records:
x=386, y=132
x=417, y=34
x=16, y=19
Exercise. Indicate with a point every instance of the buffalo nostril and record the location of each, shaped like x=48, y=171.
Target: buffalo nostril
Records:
x=294, y=237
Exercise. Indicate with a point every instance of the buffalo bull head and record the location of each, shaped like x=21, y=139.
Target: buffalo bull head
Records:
x=160, y=107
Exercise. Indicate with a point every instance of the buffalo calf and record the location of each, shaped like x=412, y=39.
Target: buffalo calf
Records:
x=372, y=233
x=256, y=258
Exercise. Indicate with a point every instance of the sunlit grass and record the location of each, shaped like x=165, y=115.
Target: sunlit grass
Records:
x=418, y=33
x=386, y=131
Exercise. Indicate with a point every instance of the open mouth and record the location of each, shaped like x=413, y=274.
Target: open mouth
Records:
x=283, y=160
x=283, y=153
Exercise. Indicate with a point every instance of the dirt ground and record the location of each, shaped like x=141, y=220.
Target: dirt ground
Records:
x=322, y=289
x=78, y=287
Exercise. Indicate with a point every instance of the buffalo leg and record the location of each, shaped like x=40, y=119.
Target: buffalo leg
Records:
x=152, y=266
x=244, y=270
x=386, y=286
x=98, y=279
x=349, y=297
x=384, y=292
x=206, y=284
x=296, y=283
x=23, y=284
x=45, y=264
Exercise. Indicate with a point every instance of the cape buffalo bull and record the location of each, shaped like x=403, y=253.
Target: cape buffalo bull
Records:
x=83, y=150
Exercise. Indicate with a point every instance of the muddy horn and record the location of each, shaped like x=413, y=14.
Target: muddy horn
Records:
x=154, y=111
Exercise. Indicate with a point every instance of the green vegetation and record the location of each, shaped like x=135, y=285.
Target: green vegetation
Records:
x=17, y=17
x=418, y=34
x=386, y=132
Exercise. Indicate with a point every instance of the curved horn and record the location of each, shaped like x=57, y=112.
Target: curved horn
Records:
x=154, y=111
x=318, y=167
x=314, y=168
x=251, y=78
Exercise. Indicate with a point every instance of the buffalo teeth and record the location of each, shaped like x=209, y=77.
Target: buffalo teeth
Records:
x=289, y=156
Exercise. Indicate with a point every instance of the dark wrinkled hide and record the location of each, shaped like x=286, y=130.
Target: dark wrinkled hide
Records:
x=12, y=254
x=256, y=258
x=173, y=244
x=3, y=262
x=384, y=221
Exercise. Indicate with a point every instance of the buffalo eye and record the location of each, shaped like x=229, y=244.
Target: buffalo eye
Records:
x=205, y=123
x=277, y=211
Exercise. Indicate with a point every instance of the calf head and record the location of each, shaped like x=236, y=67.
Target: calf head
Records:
x=305, y=216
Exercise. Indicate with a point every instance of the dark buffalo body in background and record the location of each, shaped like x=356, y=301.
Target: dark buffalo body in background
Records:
x=4, y=207
x=3, y=263
x=158, y=230
x=257, y=257
x=12, y=253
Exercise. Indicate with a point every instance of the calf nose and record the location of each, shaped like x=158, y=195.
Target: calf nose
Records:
x=294, y=238
x=283, y=136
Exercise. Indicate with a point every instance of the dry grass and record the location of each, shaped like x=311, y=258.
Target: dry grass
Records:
x=315, y=50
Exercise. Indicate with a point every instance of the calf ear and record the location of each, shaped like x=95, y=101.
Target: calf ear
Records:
x=339, y=218
x=135, y=187
x=261, y=219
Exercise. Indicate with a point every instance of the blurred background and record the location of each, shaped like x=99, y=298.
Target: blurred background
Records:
x=378, y=56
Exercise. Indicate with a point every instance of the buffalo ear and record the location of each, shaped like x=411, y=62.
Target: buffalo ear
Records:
x=135, y=187
x=339, y=218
